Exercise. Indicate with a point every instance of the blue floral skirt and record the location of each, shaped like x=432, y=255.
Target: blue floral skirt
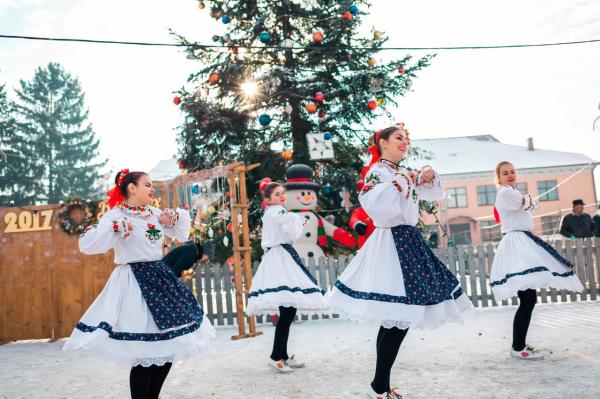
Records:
x=144, y=315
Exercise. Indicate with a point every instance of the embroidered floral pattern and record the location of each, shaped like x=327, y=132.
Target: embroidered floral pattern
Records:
x=153, y=234
x=174, y=215
x=371, y=180
x=286, y=288
x=121, y=227
x=92, y=226
x=142, y=211
x=170, y=302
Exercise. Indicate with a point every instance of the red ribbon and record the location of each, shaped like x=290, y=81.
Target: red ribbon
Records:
x=374, y=151
x=299, y=179
x=114, y=195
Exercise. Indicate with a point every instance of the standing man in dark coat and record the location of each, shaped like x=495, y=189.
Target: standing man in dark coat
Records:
x=597, y=221
x=577, y=224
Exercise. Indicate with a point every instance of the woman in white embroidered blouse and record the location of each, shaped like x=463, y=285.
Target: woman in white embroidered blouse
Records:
x=395, y=279
x=144, y=317
x=523, y=262
x=282, y=283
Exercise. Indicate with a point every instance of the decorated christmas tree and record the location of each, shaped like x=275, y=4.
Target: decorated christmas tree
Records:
x=290, y=81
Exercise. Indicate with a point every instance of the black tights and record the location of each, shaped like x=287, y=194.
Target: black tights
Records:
x=282, y=332
x=527, y=301
x=146, y=382
x=388, y=344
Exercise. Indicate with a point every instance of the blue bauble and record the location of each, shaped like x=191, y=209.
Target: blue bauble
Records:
x=264, y=119
x=327, y=190
x=264, y=37
x=353, y=9
x=328, y=136
x=225, y=19
x=195, y=189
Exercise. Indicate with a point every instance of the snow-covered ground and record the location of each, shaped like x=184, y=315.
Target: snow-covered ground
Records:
x=454, y=361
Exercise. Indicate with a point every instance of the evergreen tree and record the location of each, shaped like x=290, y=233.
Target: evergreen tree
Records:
x=17, y=176
x=285, y=69
x=52, y=119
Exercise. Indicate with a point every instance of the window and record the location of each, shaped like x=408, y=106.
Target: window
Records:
x=486, y=195
x=460, y=233
x=545, y=185
x=550, y=224
x=489, y=234
x=457, y=197
x=522, y=187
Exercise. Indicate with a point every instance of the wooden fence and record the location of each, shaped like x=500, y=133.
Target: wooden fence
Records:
x=214, y=288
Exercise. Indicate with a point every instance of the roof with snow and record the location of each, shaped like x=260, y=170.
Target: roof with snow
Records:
x=471, y=154
x=165, y=170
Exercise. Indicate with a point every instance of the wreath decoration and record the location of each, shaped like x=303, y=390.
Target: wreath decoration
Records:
x=75, y=216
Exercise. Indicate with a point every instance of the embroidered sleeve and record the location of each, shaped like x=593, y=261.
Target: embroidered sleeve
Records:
x=528, y=204
x=101, y=237
x=291, y=222
x=371, y=180
x=431, y=190
x=180, y=229
x=121, y=227
x=511, y=199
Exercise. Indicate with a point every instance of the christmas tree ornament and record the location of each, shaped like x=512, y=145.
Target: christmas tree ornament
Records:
x=319, y=97
x=176, y=100
x=216, y=14
x=264, y=119
x=375, y=85
x=380, y=101
x=287, y=155
x=211, y=210
x=372, y=62
x=353, y=9
x=319, y=147
x=230, y=227
x=327, y=135
x=327, y=190
x=201, y=5
x=195, y=189
x=288, y=109
x=317, y=36
x=211, y=232
x=271, y=85
x=347, y=16
x=311, y=107
x=190, y=54
x=264, y=37
x=322, y=114
x=372, y=104
x=234, y=49
x=225, y=19
x=377, y=34
x=203, y=214
x=214, y=77
x=401, y=70
x=226, y=241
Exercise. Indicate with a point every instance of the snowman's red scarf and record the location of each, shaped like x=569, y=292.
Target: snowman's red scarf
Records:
x=322, y=237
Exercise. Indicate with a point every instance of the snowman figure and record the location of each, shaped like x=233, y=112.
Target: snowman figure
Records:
x=302, y=198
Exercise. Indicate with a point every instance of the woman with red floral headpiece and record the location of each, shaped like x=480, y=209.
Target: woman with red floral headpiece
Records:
x=144, y=317
x=395, y=279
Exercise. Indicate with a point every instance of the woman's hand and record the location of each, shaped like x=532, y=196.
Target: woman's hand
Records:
x=427, y=175
x=166, y=219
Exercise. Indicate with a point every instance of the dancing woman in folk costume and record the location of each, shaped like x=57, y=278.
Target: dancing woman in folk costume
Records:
x=282, y=282
x=524, y=262
x=144, y=317
x=395, y=279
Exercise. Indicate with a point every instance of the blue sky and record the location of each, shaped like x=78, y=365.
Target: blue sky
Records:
x=550, y=94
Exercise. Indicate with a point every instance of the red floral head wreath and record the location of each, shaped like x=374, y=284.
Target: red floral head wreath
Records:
x=114, y=195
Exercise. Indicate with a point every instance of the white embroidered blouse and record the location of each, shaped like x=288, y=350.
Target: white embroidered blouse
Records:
x=391, y=197
x=515, y=209
x=280, y=226
x=143, y=242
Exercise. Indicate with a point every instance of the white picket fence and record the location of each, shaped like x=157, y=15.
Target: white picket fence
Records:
x=214, y=287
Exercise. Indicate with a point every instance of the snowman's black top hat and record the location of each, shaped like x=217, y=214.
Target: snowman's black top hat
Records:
x=299, y=177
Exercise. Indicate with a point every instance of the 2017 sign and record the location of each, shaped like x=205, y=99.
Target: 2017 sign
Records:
x=28, y=221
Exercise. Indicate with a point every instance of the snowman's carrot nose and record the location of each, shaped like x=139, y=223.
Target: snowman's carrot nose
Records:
x=307, y=197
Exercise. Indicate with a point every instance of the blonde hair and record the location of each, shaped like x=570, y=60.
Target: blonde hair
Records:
x=501, y=164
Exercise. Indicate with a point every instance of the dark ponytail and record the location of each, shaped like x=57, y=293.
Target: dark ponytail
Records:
x=131, y=177
x=269, y=188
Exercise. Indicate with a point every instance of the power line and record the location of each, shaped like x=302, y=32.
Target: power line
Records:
x=217, y=46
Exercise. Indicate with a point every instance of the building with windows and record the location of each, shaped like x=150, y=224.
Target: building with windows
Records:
x=467, y=168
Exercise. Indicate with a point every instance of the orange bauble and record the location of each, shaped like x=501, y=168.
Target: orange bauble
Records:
x=287, y=155
x=311, y=107
x=213, y=78
x=317, y=36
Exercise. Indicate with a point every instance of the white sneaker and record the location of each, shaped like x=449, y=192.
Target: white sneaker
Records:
x=294, y=363
x=280, y=365
x=527, y=353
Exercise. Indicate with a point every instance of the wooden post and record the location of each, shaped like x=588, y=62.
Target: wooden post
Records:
x=246, y=249
x=239, y=289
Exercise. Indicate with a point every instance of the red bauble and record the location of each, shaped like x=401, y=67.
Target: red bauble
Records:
x=322, y=114
x=213, y=78
x=372, y=104
x=401, y=69
x=234, y=50
x=347, y=16
x=317, y=36
x=181, y=164
x=230, y=228
x=176, y=100
x=228, y=194
x=319, y=97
